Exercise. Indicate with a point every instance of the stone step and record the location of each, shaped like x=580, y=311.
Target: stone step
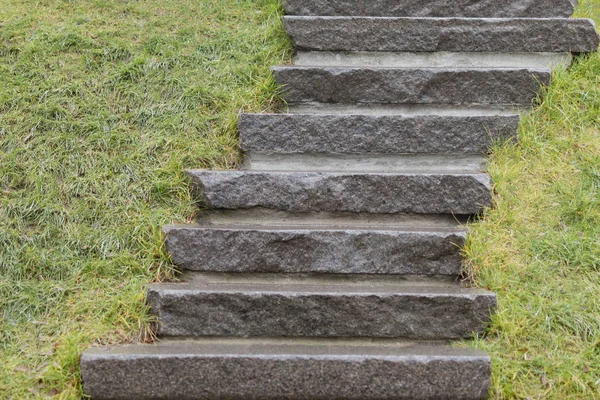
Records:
x=371, y=163
x=284, y=369
x=352, y=85
x=406, y=110
x=291, y=306
x=373, y=134
x=442, y=34
x=429, y=193
x=302, y=249
x=441, y=59
x=267, y=218
x=433, y=8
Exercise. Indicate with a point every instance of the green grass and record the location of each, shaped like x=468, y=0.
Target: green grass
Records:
x=539, y=248
x=104, y=103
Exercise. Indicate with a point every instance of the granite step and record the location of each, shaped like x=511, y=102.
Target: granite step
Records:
x=512, y=35
x=439, y=59
x=433, y=8
x=316, y=249
x=383, y=193
x=248, y=369
x=273, y=305
x=373, y=134
x=406, y=110
x=366, y=163
x=454, y=86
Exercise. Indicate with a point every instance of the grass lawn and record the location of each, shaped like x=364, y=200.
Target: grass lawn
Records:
x=103, y=103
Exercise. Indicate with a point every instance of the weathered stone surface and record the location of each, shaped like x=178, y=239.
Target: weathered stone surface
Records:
x=442, y=34
x=411, y=86
x=340, y=192
x=214, y=305
x=373, y=134
x=442, y=59
x=271, y=369
x=256, y=249
x=433, y=8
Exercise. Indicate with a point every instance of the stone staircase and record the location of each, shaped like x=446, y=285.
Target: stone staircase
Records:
x=327, y=267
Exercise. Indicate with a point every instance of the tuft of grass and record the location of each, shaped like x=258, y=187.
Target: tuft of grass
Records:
x=538, y=248
x=103, y=103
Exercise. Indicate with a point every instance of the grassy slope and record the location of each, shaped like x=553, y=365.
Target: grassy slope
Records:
x=539, y=249
x=103, y=103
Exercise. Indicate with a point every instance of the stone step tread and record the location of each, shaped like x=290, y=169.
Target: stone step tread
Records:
x=290, y=306
x=435, y=231
x=373, y=134
x=284, y=369
x=272, y=219
x=438, y=59
x=433, y=8
x=431, y=193
x=304, y=249
x=365, y=163
x=439, y=86
x=406, y=110
x=442, y=34
x=309, y=285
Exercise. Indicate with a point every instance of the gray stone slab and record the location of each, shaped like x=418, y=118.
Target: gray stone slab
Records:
x=441, y=59
x=306, y=250
x=406, y=110
x=517, y=87
x=373, y=134
x=267, y=218
x=442, y=34
x=365, y=163
x=274, y=369
x=433, y=8
x=344, y=192
x=294, y=308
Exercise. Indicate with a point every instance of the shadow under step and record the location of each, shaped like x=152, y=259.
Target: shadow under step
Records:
x=433, y=8
x=274, y=305
x=306, y=249
x=451, y=86
x=420, y=193
x=374, y=134
x=284, y=369
x=506, y=35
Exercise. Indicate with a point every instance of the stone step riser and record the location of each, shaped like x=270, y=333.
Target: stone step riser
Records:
x=516, y=87
x=270, y=310
x=442, y=34
x=368, y=134
x=433, y=8
x=198, y=370
x=382, y=193
x=315, y=251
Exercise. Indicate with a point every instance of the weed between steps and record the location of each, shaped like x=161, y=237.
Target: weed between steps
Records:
x=104, y=103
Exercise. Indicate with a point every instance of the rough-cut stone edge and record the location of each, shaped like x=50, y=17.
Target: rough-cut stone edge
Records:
x=293, y=250
x=194, y=370
x=373, y=134
x=254, y=309
x=433, y=8
x=339, y=192
x=442, y=34
x=500, y=87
